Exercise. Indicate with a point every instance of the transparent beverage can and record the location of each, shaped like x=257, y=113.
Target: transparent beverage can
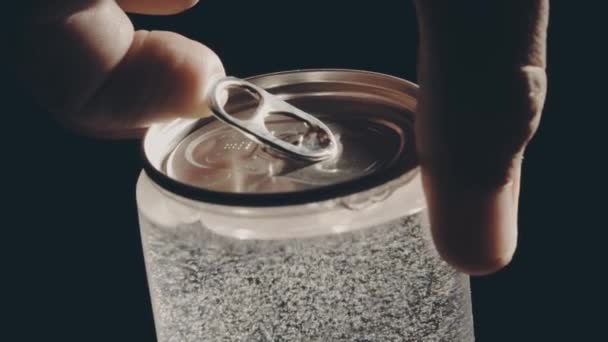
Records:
x=243, y=245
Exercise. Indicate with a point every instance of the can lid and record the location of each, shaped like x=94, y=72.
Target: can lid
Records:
x=369, y=114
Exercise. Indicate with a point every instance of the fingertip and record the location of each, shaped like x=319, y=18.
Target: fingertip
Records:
x=473, y=229
x=163, y=76
x=194, y=71
x=479, y=265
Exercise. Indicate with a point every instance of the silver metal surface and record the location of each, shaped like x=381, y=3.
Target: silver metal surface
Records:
x=369, y=115
x=317, y=144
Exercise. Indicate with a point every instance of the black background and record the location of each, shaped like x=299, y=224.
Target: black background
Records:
x=73, y=267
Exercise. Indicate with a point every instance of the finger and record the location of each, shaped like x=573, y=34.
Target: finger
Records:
x=483, y=83
x=156, y=7
x=87, y=66
x=162, y=76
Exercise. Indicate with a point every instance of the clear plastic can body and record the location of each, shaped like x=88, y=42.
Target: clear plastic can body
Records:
x=336, y=270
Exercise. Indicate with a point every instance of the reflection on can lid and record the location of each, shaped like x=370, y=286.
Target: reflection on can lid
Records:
x=370, y=115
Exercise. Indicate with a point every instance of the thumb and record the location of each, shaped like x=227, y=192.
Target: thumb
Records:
x=483, y=83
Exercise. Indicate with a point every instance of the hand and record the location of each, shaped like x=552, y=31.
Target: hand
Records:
x=88, y=67
x=481, y=73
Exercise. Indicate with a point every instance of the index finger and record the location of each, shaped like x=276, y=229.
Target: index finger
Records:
x=483, y=83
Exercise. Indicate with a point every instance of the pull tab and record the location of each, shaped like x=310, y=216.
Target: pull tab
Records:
x=318, y=144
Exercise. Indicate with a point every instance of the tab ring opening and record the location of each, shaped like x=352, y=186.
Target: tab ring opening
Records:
x=255, y=128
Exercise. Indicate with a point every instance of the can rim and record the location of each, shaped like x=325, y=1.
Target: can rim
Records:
x=406, y=168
